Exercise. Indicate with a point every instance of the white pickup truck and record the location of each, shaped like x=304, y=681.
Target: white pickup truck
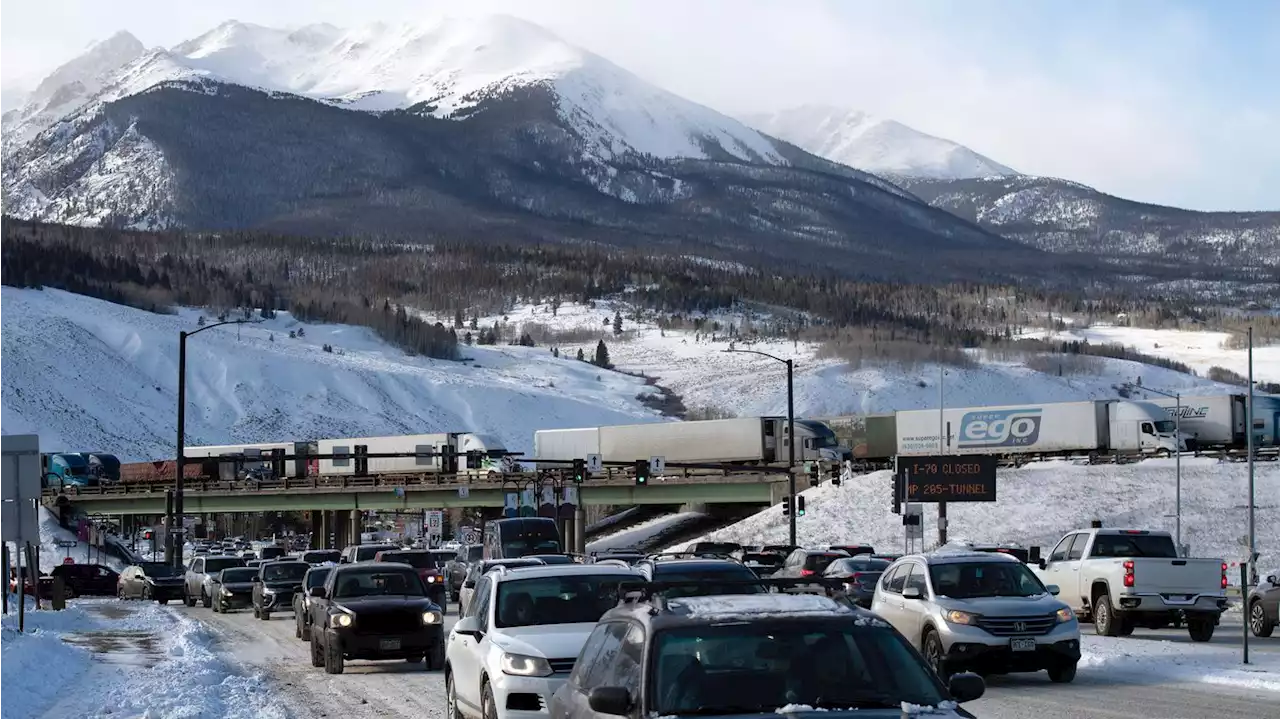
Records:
x=1126, y=578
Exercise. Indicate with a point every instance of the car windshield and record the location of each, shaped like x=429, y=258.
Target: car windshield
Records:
x=1165, y=426
x=754, y=667
x=824, y=440
x=378, y=582
x=965, y=580
x=763, y=558
x=283, y=571
x=860, y=565
x=271, y=552
x=215, y=565
x=159, y=569
x=240, y=574
x=1133, y=545
x=579, y=598
x=417, y=560
x=330, y=555
x=529, y=545
x=316, y=577
x=702, y=581
x=818, y=562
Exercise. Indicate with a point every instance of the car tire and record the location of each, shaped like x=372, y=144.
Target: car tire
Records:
x=187, y=600
x=435, y=658
x=488, y=707
x=333, y=661
x=146, y=593
x=1063, y=673
x=934, y=656
x=1258, y=622
x=1105, y=622
x=205, y=600
x=317, y=652
x=297, y=627
x=264, y=615
x=306, y=630
x=255, y=611
x=70, y=592
x=217, y=606
x=1200, y=628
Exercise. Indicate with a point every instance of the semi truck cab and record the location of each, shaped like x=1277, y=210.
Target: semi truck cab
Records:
x=66, y=469
x=1143, y=427
x=816, y=441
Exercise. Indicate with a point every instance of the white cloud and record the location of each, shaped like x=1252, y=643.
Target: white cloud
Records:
x=1123, y=109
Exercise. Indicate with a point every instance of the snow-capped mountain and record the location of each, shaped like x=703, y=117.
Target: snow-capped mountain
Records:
x=466, y=127
x=874, y=144
x=70, y=87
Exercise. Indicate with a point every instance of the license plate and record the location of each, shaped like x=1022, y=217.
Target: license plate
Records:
x=389, y=645
x=1022, y=645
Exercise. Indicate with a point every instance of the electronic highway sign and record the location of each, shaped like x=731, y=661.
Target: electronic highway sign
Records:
x=947, y=478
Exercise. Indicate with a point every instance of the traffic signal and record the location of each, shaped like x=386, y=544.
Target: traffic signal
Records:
x=642, y=471
x=814, y=476
x=896, y=501
x=835, y=476
x=786, y=506
x=800, y=506
x=579, y=470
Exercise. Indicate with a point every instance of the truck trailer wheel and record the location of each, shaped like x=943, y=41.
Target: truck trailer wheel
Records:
x=1200, y=628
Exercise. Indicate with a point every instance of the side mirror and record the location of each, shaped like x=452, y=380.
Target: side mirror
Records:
x=317, y=592
x=912, y=593
x=469, y=584
x=610, y=700
x=468, y=627
x=1053, y=589
x=966, y=686
x=1271, y=579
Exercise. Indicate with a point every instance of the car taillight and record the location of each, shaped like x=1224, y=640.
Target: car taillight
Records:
x=1224, y=575
x=807, y=572
x=1128, y=573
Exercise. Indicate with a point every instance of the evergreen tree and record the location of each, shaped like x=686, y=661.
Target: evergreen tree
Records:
x=467, y=339
x=617, y=323
x=602, y=356
x=457, y=318
x=582, y=356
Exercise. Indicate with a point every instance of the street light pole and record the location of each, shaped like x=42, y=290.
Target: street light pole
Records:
x=1253, y=546
x=1177, y=461
x=171, y=556
x=791, y=433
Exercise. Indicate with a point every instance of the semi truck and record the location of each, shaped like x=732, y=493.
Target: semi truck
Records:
x=758, y=440
x=1210, y=421
x=79, y=469
x=1052, y=428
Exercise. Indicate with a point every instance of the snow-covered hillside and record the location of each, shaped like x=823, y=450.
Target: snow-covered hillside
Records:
x=695, y=366
x=874, y=144
x=445, y=67
x=90, y=375
x=1044, y=500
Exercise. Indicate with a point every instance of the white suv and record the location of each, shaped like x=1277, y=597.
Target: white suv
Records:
x=518, y=639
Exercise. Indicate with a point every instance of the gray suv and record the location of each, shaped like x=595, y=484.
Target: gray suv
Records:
x=198, y=583
x=979, y=611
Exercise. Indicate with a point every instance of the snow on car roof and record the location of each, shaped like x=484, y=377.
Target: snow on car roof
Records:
x=756, y=606
x=561, y=570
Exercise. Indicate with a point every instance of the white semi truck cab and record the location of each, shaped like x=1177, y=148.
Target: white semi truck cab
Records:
x=1143, y=427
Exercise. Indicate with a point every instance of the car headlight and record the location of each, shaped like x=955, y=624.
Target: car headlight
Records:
x=430, y=618
x=955, y=616
x=431, y=580
x=340, y=620
x=226, y=592
x=1065, y=615
x=525, y=666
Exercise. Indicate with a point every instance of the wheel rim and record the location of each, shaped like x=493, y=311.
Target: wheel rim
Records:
x=449, y=697
x=1256, y=618
x=934, y=654
x=1102, y=617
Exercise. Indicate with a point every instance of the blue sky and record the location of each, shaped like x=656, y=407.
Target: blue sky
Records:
x=1171, y=101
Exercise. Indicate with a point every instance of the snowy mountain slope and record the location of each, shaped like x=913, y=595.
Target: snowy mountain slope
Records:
x=1042, y=501
x=695, y=366
x=874, y=144
x=1061, y=216
x=90, y=375
x=70, y=87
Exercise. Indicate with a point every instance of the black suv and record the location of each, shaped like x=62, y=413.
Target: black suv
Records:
x=741, y=655
x=375, y=610
x=275, y=585
x=701, y=576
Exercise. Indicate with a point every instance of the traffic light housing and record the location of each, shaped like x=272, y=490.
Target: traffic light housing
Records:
x=786, y=506
x=642, y=471
x=579, y=471
x=835, y=476
x=814, y=474
x=800, y=505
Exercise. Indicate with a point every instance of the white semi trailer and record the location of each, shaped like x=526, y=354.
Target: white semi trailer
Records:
x=428, y=444
x=1049, y=428
x=761, y=440
x=1210, y=421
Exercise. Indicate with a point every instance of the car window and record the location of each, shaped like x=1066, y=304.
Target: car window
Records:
x=212, y=566
x=282, y=571
x=316, y=577
x=818, y=562
x=1077, y=547
x=570, y=599
x=916, y=580
x=198, y=566
x=795, y=557
x=480, y=601
x=721, y=668
x=897, y=579
x=104, y=572
x=702, y=580
x=965, y=580
x=610, y=647
x=1059, y=552
x=590, y=652
x=236, y=574
x=624, y=671
x=1133, y=545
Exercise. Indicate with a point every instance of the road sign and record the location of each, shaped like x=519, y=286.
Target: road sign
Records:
x=65, y=543
x=595, y=463
x=435, y=521
x=953, y=478
x=464, y=492
x=657, y=465
x=20, y=485
x=913, y=520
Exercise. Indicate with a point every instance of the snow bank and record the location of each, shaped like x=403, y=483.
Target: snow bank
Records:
x=1041, y=502
x=1210, y=663
x=637, y=536
x=51, y=555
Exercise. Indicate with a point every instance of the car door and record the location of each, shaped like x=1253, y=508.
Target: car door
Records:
x=888, y=598
x=1055, y=565
x=571, y=701
x=104, y=580
x=125, y=582
x=604, y=667
x=468, y=652
x=914, y=610
x=194, y=579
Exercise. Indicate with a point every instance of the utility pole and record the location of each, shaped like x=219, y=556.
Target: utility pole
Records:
x=942, y=437
x=791, y=430
x=1177, y=462
x=1253, y=544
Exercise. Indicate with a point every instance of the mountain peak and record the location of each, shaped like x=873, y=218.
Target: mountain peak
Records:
x=875, y=144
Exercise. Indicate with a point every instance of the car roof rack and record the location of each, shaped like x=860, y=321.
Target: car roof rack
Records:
x=633, y=591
